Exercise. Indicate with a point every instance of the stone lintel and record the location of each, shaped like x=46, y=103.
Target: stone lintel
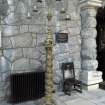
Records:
x=90, y=3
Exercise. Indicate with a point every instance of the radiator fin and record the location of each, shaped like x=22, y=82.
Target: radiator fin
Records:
x=27, y=86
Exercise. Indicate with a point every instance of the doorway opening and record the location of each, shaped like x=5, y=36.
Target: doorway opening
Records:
x=100, y=39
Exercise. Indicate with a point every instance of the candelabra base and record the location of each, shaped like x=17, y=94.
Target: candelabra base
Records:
x=44, y=101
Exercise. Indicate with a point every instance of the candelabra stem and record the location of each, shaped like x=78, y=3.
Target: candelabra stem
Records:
x=48, y=99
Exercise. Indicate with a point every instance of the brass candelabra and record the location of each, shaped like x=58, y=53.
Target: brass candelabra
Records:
x=48, y=99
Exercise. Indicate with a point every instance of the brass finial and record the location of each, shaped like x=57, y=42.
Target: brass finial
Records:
x=49, y=16
x=49, y=35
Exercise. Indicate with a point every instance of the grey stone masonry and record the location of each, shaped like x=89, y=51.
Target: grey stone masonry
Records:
x=23, y=39
x=88, y=24
x=13, y=54
x=89, y=63
x=21, y=64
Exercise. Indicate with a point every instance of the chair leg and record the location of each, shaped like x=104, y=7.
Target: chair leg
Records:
x=64, y=89
x=81, y=87
x=67, y=91
x=70, y=89
x=74, y=86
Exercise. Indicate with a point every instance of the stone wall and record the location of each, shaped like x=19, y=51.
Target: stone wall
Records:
x=23, y=38
x=67, y=52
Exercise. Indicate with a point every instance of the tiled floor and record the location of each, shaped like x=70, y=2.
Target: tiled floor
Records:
x=96, y=97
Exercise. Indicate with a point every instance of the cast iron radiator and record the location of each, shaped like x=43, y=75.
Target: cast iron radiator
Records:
x=26, y=86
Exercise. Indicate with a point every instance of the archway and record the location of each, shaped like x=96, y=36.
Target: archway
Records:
x=101, y=40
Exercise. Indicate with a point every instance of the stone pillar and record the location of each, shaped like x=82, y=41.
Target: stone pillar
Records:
x=89, y=76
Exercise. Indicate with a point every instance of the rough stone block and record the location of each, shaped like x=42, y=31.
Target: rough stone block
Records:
x=63, y=27
x=62, y=57
x=5, y=76
x=62, y=23
x=34, y=43
x=41, y=39
x=35, y=64
x=11, y=9
x=36, y=28
x=74, y=48
x=21, y=64
x=12, y=19
x=89, y=53
x=89, y=64
x=39, y=19
x=43, y=58
x=89, y=33
x=87, y=42
x=57, y=73
x=31, y=53
x=24, y=40
x=5, y=65
x=34, y=35
x=41, y=50
x=10, y=30
x=74, y=40
x=13, y=54
x=11, y=2
x=56, y=49
x=7, y=42
x=23, y=28
x=77, y=64
x=73, y=24
x=74, y=31
x=89, y=12
x=88, y=22
x=56, y=65
x=76, y=56
x=74, y=16
x=62, y=48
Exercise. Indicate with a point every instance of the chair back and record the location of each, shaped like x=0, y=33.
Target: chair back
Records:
x=68, y=70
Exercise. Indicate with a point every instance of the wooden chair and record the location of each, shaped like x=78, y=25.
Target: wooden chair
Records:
x=69, y=81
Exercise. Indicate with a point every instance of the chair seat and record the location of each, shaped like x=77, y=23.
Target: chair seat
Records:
x=72, y=81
